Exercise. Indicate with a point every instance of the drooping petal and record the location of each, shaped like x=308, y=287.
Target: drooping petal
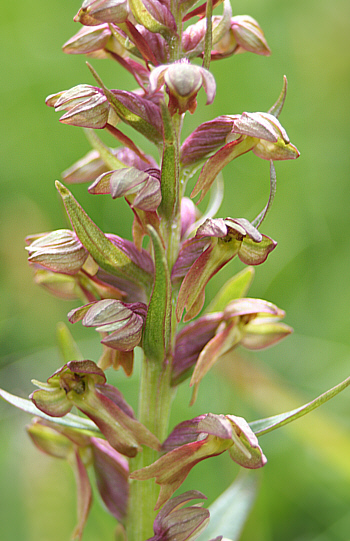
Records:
x=111, y=470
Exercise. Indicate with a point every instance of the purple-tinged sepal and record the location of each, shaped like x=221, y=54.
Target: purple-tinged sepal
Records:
x=205, y=139
x=223, y=240
x=95, y=12
x=183, y=81
x=175, y=522
x=203, y=437
x=121, y=324
x=111, y=472
x=189, y=343
x=140, y=188
x=83, y=384
x=58, y=251
x=82, y=451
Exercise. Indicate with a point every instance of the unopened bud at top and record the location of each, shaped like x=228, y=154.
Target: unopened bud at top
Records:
x=95, y=12
x=243, y=35
x=183, y=81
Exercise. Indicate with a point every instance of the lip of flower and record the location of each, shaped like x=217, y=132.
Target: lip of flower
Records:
x=225, y=239
x=192, y=441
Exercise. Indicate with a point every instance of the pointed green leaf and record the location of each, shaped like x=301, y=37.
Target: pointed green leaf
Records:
x=262, y=426
x=235, y=288
x=68, y=348
x=278, y=106
x=70, y=420
x=157, y=325
x=105, y=253
x=229, y=512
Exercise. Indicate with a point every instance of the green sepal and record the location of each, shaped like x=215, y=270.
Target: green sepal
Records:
x=157, y=326
x=67, y=345
x=130, y=118
x=70, y=420
x=235, y=288
x=170, y=168
x=262, y=426
x=104, y=252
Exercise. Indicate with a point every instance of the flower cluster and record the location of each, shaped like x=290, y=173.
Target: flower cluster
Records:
x=135, y=293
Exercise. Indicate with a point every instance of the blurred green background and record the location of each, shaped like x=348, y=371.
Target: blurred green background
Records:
x=305, y=487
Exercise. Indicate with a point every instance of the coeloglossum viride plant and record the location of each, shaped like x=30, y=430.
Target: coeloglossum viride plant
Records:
x=149, y=293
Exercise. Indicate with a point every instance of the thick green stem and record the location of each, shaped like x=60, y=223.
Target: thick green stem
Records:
x=156, y=393
x=154, y=407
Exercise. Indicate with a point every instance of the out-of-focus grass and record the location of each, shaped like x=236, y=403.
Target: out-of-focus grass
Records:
x=305, y=486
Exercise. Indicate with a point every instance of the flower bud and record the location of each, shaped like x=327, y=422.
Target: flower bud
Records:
x=189, y=215
x=94, y=41
x=95, y=12
x=244, y=34
x=122, y=321
x=58, y=251
x=174, y=522
x=140, y=188
x=86, y=106
x=183, y=81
